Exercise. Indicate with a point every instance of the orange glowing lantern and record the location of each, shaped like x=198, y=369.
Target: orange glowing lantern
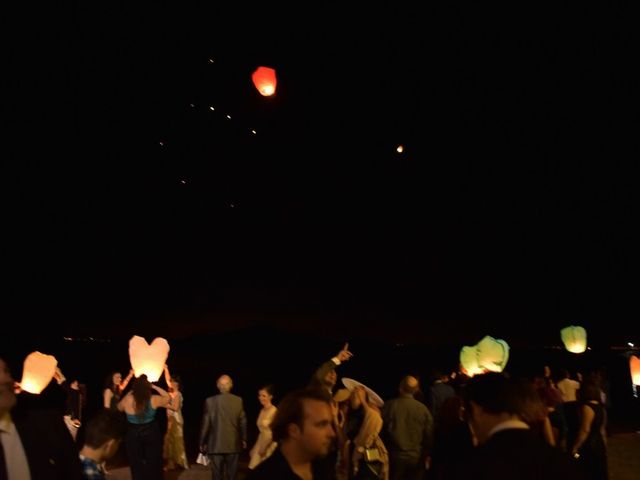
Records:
x=148, y=359
x=264, y=78
x=574, y=338
x=634, y=366
x=37, y=372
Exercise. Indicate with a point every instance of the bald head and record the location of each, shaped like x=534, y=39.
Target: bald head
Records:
x=409, y=385
x=225, y=384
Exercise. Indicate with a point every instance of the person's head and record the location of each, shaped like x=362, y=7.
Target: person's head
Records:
x=176, y=383
x=409, y=385
x=7, y=393
x=141, y=393
x=75, y=385
x=330, y=379
x=492, y=398
x=224, y=384
x=103, y=434
x=265, y=395
x=304, y=421
x=113, y=381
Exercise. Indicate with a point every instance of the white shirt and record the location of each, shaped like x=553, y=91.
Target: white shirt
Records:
x=15, y=458
x=508, y=425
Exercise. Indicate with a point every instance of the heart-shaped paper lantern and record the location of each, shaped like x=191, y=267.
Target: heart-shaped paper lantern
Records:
x=37, y=372
x=574, y=338
x=469, y=361
x=148, y=359
x=634, y=366
x=493, y=354
x=264, y=79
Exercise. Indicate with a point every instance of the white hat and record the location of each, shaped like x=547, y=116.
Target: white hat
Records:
x=373, y=397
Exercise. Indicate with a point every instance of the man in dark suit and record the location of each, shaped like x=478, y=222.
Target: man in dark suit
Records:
x=508, y=449
x=34, y=441
x=224, y=429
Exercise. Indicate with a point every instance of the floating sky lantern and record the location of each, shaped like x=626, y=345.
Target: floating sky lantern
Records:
x=493, y=354
x=264, y=78
x=489, y=355
x=148, y=359
x=574, y=338
x=37, y=372
x=469, y=361
x=634, y=366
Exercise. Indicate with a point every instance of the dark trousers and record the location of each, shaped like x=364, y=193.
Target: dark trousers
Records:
x=144, y=449
x=405, y=469
x=224, y=461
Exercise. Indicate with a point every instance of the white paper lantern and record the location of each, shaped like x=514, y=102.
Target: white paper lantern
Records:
x=148, y=359
x=574, y=338
x=37, y=372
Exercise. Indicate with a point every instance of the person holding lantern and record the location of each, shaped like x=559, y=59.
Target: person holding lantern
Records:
x=143, y=439
x=174, y=451
x=113, y=389
x=34, y=442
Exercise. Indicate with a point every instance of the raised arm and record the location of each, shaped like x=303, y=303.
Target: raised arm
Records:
x=125, y=382
x=161, y=400
x=167, y=376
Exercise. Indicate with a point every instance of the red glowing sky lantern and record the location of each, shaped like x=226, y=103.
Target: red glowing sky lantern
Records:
x=264, y=78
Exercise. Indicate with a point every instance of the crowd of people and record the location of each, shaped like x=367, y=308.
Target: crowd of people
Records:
x=489, y=426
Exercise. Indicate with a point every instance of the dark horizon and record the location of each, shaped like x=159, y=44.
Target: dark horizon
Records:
x=132, y=205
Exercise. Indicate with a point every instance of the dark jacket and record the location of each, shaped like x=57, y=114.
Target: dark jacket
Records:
x=51, y=452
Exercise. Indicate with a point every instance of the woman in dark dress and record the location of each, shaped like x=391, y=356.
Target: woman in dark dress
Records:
x=589, y=448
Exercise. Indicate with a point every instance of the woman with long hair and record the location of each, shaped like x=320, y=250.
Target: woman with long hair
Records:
x=144, y=439
x=114, y=386
x=589, y=447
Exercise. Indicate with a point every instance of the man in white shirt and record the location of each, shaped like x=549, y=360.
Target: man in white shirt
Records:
x=568, y=387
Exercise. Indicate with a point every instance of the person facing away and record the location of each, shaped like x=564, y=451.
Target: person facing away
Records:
x=143, y=440
x=102, y=436
x=303, y=429
x=34, y=442
x=264, y=445
x=408, y=432
x=508, y=449
x=223, y=434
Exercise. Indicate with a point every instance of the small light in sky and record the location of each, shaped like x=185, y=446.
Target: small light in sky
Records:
x=211, y=108
x=630, y=344
x=183, y=181
x=191, y=105
x=161, y=144
x=231, y=205
x=211, y=60
x=400, y=149
x=229, y=117
x=254, y=132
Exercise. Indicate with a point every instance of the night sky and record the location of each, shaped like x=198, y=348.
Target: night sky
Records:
x=132, y=207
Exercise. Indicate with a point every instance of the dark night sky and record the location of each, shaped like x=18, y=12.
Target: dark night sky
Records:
x=511, y=211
